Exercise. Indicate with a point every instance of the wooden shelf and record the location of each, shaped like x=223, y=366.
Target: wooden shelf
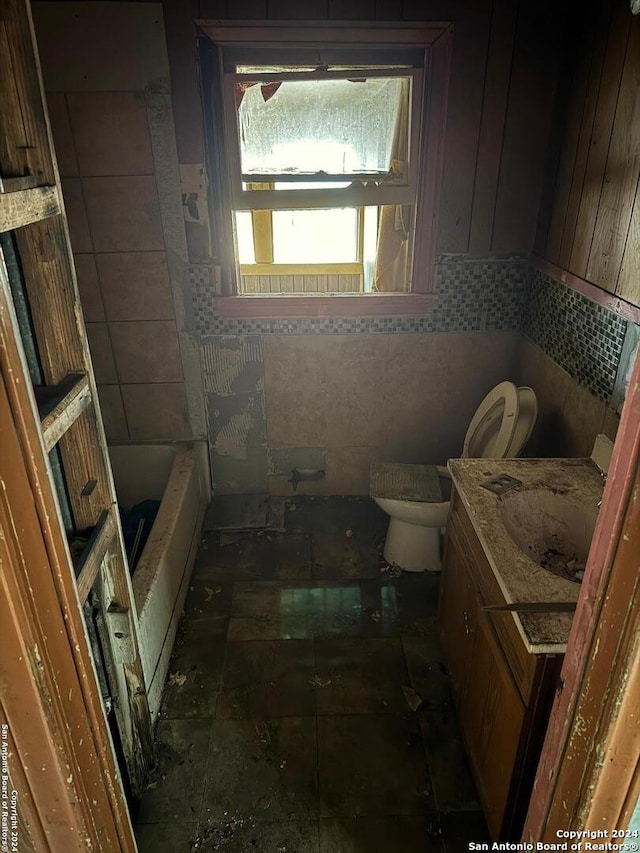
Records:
x=24, y=207
x=88, y=565
x=60, y=405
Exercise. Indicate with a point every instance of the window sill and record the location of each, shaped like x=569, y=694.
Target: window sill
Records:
x=270, y=307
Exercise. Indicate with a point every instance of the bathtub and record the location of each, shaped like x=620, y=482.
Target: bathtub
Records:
x=177, y=475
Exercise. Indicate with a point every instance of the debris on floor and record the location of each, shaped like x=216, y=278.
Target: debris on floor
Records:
x=262, y=730
x=290, y=674
x=393, y=570
x=317, y=681
x=414, y=700
x=211, y=592
x=217, y=835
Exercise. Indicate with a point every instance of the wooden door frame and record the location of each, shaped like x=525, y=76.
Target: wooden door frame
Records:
x=588, y=776
x=62, y=763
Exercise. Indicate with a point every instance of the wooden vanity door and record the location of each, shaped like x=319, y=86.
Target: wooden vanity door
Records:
x=490, y=709
x=492, y=718
x=457, y=617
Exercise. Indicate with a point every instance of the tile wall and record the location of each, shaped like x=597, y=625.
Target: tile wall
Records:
x=338, y=394
x=575, y=354
x=106, y=162
x=475, y=294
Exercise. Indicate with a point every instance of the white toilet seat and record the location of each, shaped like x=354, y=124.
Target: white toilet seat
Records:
x=488, y=437
x=527, y=416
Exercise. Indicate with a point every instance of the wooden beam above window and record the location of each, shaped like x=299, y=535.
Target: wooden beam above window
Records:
x=312, y=32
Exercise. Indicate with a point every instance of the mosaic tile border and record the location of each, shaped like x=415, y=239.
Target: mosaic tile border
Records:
x=476, y=294
x=581, y=336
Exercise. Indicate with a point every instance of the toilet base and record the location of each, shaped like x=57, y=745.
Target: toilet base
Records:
x=413, y=548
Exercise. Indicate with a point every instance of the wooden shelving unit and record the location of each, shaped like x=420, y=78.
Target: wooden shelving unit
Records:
x=64, y=413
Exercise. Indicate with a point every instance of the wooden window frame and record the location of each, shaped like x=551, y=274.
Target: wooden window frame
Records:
x=435, y=40
x=262, y=229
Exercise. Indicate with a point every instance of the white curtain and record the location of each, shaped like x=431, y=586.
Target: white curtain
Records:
x=392, y=257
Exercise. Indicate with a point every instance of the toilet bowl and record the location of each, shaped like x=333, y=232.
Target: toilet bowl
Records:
x=416, y=497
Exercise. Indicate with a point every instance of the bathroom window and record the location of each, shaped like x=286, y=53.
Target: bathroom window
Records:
x=324, y=160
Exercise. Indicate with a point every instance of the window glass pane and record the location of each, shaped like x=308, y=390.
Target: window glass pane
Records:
x=340, y=127
x=315, y=236
x=244, y=237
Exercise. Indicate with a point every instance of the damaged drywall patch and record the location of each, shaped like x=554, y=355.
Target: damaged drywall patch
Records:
x=236, y=423
x=232, y=475
x=282, y=460
x=232, y=364
x=193, y=183
x=233, y=376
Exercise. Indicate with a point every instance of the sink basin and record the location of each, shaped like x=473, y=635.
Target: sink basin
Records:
x=553, y=530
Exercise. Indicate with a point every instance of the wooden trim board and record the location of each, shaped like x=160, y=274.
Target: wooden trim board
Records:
x=592, y=736
x=586, y=288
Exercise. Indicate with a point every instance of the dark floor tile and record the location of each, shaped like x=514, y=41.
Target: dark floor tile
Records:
x=338, y=556
x=270, y=598
x=195, y=668
x=298, y=514
x=268, y=679
x=364, y=608
x=379, y=835
x=460, y=828
x=196, y=629
x=175, y=789
x=372, y=765
x=267, y=769
x=237, y=834
x=166, y=837
x=206, y=598
x=448, y=764
x=427, y=673
x=361, y=515
x=269, y=628
x=253, y=556
x=417, y=598
x=323, y=609
x=346, y=538
x=360, y=676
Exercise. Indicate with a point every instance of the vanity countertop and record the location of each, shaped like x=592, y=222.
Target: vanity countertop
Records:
x=520, y=579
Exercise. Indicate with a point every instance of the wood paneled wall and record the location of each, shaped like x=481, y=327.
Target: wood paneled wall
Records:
x=504, y=66
x=590, y=223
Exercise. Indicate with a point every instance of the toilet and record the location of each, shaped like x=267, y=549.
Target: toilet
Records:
x=416, y=497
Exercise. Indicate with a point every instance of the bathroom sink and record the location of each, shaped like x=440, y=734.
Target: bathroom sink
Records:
x=553, y=530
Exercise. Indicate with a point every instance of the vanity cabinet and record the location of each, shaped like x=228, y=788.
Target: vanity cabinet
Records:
x=502, y=692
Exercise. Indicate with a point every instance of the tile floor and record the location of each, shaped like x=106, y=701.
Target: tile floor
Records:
x=284, y=726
